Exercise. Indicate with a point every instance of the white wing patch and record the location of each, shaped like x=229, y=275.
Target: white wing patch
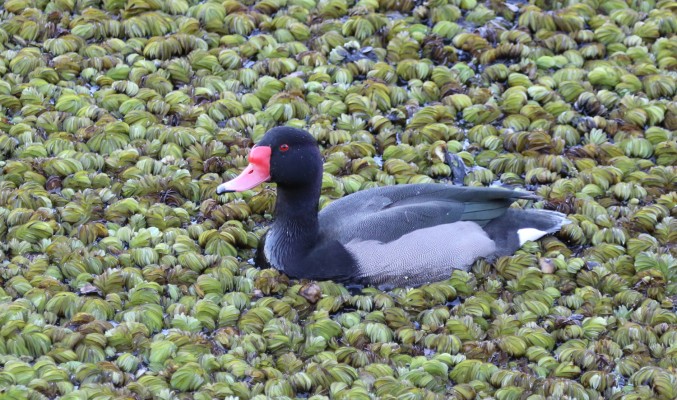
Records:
x=526, y=234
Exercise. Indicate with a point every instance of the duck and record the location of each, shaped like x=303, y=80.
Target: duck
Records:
x=402, y=235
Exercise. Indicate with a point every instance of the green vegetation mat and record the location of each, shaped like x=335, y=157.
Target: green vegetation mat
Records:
x=124, y=276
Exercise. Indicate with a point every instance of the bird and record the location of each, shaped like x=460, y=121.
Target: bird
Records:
x=402, y=235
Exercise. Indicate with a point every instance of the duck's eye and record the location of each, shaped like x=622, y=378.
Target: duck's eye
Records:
x=284, y=147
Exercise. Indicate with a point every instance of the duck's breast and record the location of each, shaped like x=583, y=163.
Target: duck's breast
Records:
x=421, y=256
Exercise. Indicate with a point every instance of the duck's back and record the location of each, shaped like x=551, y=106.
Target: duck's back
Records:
x=387, y=213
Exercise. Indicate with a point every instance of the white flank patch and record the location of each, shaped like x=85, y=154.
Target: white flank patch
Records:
x=526, y=234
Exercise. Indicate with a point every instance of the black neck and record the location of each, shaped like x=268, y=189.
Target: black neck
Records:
x=296, y=223
x=296, y=247
x=297, y=203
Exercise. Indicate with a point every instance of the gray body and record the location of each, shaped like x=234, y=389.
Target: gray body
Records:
x=424, y=255
x=408, y=235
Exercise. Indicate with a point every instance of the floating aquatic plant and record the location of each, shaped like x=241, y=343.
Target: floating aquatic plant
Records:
x=124, y=274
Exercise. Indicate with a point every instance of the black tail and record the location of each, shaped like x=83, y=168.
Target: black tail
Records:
x=516, y=226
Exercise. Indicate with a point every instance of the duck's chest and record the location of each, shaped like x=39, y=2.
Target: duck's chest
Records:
x=274, y=248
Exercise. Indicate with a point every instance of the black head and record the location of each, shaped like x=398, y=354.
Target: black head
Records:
x=287, y=156
x=295, y=159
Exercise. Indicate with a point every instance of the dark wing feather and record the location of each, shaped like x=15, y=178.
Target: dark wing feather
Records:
x=386, y=213
x=483, y=212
